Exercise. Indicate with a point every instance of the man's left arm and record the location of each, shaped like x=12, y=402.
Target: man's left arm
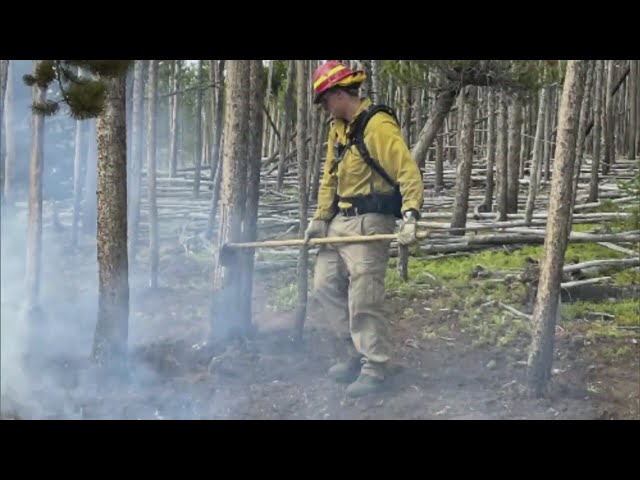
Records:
x=387, y=146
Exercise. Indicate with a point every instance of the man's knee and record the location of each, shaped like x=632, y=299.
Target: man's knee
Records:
x=367, y=283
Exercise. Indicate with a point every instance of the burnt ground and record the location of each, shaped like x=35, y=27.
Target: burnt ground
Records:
x=173, y=375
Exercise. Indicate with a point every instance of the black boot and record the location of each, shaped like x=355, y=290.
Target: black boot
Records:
x=346, y=371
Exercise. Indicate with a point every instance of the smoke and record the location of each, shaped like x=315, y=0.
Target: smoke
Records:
x=45, y=366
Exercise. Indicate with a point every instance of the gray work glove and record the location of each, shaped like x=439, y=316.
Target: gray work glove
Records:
x=407, y=231
x=316, y=229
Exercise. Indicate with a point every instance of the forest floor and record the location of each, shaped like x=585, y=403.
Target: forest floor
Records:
x=458, y=354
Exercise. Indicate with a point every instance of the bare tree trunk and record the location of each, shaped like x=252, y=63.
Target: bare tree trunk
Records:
x=459, y=114
x=637, y=129
x=367, y=85
x=501, y=158
x=513, y=162
x=439, y=181
x=523, y=143
x=175, y=111
x=10, y=142
x=417, y=106
x=491, y=150
x=609, y=120
x=198, y=150
x=267, y=102
x=443, y=104
x=256, y=118
x=585, y=110
x=301, y=146
x=323, y=132
x=546, y=304
x=633, y=113
x=226, y=279
x=34, y=227
x=77, y=180
x=215, y=196
x=89, y=209
x=406, y=108
x=534, y=181
x=134, y=185
x=112, y=327
x=219, y=126
x=315, y=130
x=597, y=132
x=151, y=174
x=4, y=71
x=375, y=81
x=286, y=119
x=465, y=162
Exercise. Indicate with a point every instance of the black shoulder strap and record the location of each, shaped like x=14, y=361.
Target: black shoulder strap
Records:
x=357, y=138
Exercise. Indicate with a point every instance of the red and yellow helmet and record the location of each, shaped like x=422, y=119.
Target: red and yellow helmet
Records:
x=332, y=74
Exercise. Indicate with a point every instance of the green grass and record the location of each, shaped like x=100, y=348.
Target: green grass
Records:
x=626, y=311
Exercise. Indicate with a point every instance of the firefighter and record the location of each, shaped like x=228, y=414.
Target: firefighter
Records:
x=370, y=181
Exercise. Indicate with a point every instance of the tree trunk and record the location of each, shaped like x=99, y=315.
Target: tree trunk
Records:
x=175, y=111
x=286, y=120
x=218, y=124
x=375, y=81
x=597, y=132
x=523, y=143
x=135, y=183
x=501, y=158
x=90, y=185
x=609, y=120
x=226, y=279
x=215, y=196
x=633, y=112
x=548, y=120
x=77, y=180
x=406, y=108
x=256, y=118
x=301, y=146
x=585, y=111
x=513, y=162
x=417, y=106
x=314, y=134
x=323, y=132
x=267, y=102
x=4, y=70
x=34, y=227
x=491, y=150
x=198, y=127
x=442, y=106
x=534, y=177
x=637, y=129
x=111, y=334
x=544, y=313
x=465, y=162
x=152, y=209
x=367, y=85
x=10, y=139
x=439, y=181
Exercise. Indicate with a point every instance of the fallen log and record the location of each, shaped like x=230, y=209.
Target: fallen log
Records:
x=578, y=283
x=625, y=262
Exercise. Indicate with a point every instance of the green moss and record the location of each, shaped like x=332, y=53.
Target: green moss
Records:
x=626, y=311
x=589, y=251
x=626, y=277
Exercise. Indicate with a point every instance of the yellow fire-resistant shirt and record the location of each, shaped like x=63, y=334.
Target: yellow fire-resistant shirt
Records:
x=354, y=177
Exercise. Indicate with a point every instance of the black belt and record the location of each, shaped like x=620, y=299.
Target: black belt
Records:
x=351, y=212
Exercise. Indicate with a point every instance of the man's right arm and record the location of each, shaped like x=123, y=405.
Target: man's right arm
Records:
x=327, y=188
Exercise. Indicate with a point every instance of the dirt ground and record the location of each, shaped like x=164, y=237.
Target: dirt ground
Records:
x=173, y=375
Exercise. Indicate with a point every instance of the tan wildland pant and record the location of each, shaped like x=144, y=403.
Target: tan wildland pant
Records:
x=349, y=288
